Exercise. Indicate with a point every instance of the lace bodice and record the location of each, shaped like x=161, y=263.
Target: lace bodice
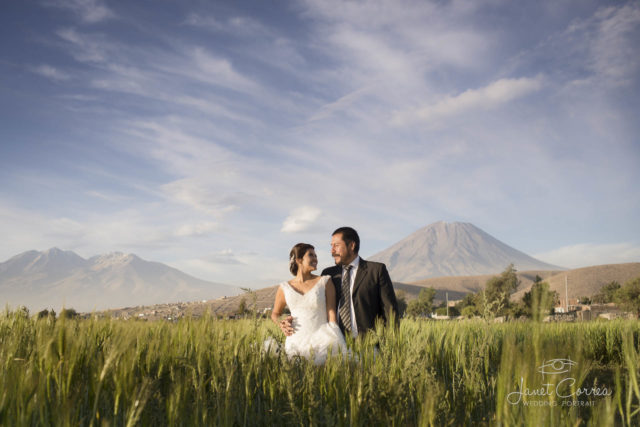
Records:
x=309, y=311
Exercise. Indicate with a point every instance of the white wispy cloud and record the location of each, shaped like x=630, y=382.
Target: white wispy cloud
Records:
x=203, y=228
x=489, y=97
x=175, y=145
x=51, y=72
x=211, y=179
x=27, y=229
x=262, y=43
x=168, y=75
x=388, y=56
x=301, y=219
x=225, y=256
x=216, y=70
x=83, y=47
x=398, y=39
x=614, y=50
x=202, y=195
x=235, y=25
x=109, y=197
x=341, y=105
x=593, y=53
x=588, y=254
x=212, y=106
x=198, y=20
x=89, y=11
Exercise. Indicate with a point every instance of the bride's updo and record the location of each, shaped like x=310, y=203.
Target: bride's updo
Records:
x=297, y=252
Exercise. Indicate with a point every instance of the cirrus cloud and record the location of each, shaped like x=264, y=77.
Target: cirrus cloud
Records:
x=89, y=11
x=198, y=229
x=51, y=73
x=492, y=96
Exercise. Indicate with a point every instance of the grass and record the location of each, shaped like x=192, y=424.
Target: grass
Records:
x=210, y=372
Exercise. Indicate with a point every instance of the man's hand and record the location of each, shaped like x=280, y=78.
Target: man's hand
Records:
x=286, y=325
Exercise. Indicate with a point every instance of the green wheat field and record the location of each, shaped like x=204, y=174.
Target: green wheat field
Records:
x=211, y=372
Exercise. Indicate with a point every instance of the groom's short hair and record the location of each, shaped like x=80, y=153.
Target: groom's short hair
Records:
x=349, y=235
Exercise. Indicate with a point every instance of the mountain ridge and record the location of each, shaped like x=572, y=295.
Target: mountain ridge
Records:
x=452, y=249
x=55, y=278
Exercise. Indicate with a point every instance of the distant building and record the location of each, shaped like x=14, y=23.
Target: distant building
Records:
x=574, y=305
x=584, y=312
x=439, y=317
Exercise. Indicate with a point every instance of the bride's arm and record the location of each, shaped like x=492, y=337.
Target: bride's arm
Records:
x=278, y=308
x=330, y=293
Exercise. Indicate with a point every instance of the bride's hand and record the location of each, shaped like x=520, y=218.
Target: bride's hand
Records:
x=286, y=325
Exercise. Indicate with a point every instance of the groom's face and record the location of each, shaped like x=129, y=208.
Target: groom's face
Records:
x=342, y=253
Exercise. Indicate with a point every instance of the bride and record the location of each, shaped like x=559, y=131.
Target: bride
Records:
x=314, y=331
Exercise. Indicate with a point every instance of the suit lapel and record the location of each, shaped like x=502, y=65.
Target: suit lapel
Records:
x=360, y=275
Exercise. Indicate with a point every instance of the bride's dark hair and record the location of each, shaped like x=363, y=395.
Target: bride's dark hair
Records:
x=297, y=252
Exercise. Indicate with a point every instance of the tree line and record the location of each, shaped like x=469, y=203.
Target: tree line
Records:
x=495, y=299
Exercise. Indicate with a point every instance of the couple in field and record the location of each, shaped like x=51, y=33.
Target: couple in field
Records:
x=346, y=299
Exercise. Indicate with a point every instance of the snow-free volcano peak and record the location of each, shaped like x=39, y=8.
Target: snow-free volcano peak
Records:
x=452, y=249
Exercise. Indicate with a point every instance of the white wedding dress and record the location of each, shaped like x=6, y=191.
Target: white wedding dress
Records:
x=314, y=337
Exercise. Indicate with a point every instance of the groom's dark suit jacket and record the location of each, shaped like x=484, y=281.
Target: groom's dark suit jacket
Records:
x=372, y=293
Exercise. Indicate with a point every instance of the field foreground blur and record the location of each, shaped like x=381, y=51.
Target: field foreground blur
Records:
x=210, y=372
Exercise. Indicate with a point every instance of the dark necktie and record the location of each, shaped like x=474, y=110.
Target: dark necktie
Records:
x=345, y=300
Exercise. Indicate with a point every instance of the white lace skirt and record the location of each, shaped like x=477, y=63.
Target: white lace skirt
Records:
x=318, y=345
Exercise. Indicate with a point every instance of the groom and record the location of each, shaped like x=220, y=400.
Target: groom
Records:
x=363, y=288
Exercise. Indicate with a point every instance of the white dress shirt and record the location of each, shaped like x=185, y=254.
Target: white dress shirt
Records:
x=354, y=270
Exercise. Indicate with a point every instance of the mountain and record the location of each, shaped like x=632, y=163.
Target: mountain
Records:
x=57, y=278
x=452, y=249
x=47, y=265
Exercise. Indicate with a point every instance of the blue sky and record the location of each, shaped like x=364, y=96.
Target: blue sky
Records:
x=213, y=136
